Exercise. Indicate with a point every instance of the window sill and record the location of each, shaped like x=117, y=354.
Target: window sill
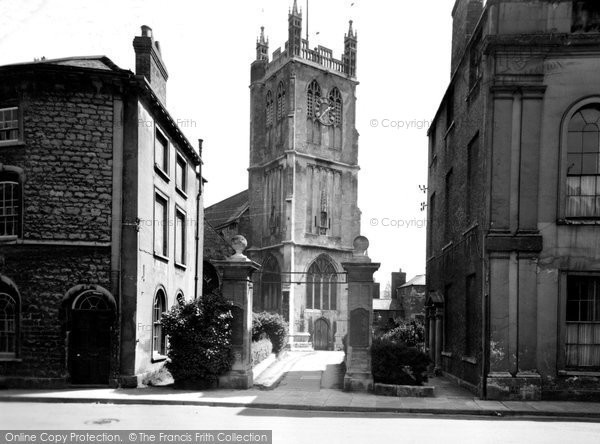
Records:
x=8, y=239
x=582, y=221
x=469, y=360
x=157, y=357
x=446, y=354
x=8, y=359
x=161, y=257
x=182, y=267
x=578, y=373
x=162, y=173
x=181, y=192
x=11, y=143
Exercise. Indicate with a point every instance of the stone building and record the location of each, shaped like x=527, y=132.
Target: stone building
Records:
x=513, y=268
x=411, y=297
x=100, y=215
x=302, y=196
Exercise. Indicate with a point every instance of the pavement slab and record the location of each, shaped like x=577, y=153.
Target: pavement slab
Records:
x=308, y=382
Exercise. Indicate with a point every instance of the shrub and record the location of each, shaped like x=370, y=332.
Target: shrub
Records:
x=411, y=333
x=397, y=363
x=261, y=350
x=200, y=340
x=273, y=326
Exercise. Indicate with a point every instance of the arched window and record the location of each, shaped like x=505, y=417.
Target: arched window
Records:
x=313, y=97
x=90, y=300
x=321, y=282
x=9, y=312
x=11, y=209
x=159, y=339
x=583, y=164
x=271, y=285
x=335, y=101
x=335, y=130
x=269, y=105
x=280, y=101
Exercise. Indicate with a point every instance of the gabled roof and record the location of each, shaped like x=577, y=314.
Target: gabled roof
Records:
x=228, y=210
x=386, y=304
x=417, y=280
x=91, y=62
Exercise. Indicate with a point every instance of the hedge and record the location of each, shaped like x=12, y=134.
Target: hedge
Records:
x=199, y=335
x=396, y=363
x=273, y=326
x=261, y=350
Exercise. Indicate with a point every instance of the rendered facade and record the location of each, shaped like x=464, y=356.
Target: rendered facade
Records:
x=513, y=258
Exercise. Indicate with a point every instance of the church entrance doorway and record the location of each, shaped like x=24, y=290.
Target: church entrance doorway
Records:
x=321, y=335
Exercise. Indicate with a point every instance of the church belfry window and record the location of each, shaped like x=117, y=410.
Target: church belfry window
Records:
x=335, y=101
x=269, y=108
x=335, y=130
x=313, y=98
x=280, y=101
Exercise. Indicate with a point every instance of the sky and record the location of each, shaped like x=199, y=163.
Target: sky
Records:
x=208, y=46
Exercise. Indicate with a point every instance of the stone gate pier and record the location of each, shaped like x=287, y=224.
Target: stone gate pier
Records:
x=361, y=288
x=237, y=273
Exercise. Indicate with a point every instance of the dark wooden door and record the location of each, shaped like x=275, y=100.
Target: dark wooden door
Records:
x=89, y=346
x=321, y=335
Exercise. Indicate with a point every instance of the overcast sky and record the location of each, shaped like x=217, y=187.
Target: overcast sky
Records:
x=403, y=69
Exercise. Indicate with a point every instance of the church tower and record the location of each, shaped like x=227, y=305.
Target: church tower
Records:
x=303, y=182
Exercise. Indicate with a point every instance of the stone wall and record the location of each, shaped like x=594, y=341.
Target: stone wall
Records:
x=43, y=275
x=67, y=159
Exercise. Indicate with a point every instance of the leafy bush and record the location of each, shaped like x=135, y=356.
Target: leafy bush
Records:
x=273, y=326
x=261, y=350
x=200, y=340
x=411, y=333
x=396, y=363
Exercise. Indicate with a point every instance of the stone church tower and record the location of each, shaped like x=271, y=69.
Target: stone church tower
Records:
x=303, y=182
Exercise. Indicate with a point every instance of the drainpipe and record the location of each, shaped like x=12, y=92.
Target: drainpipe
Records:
x=198, y=195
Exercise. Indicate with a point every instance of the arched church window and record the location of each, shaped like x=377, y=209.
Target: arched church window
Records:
x=583, y=164
x=335, y=130
x=321, y=283
x=335, y=101
x=269, y=105
x=313, y=97
x=280, y=101
x=271, y=285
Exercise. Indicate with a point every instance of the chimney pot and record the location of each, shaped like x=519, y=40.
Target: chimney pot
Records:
x=146, y=31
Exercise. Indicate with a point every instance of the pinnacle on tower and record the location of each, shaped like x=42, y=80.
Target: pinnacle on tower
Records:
x=262, y=46
x=351, y=33
x=295, y=9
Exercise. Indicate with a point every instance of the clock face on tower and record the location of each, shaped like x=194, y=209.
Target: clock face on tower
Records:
x=325, y=111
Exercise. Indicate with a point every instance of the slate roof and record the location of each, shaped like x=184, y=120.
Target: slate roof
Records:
x=386, y=304
x=228, y=210
x=417, y=280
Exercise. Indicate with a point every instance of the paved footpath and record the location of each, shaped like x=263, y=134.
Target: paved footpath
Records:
x=309, y=385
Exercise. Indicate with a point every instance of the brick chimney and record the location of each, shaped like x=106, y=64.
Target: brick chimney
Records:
x=465, y=15
x=398, y=279
x=149, y=63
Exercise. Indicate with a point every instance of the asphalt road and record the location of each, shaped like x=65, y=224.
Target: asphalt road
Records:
x=290, y=427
